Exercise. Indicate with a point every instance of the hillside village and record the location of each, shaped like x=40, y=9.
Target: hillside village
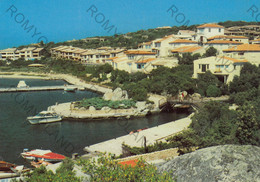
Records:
x=232, y=44
x=222, y=131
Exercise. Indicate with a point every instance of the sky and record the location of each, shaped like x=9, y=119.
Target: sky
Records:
x=30, y=21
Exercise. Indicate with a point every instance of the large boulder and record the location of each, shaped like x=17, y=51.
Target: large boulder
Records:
x=117, y=95
x=108, y=95
x=220, y=163
x=141, y=106
x=92, y=108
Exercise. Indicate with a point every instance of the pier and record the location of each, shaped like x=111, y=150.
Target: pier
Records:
x=39, y=88
x=151, y=136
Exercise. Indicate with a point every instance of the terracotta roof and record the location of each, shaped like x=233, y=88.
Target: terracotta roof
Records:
x=223, y=42
x=119, y=59
x=140, y=52
x=186, y=49
x=227, y=37
x=146, y=60
x=210, y=25
x=179, y=41
x=256, y=40
x=147, y=43
x=164, y=38
x=113, y=58
x=244, y=48
x=234, y=60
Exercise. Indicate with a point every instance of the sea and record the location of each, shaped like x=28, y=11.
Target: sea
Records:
x=65, y=137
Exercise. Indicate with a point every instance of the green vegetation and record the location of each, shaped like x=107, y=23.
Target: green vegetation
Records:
x=107, y=169
x=99, y=103
x=215, y=123
x=210, y=52
x=228, y=24
x=63, y=173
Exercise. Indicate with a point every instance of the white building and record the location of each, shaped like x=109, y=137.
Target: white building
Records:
x=256, y=41
x=220, y=45
x=250, y=52
x=29, y=53
x=241, y=39
x=225, y=68
x=182, y=42
x=208, y=30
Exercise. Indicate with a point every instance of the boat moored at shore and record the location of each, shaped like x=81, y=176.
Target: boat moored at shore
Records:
x=42, y=155
x=44, y=117
x=22, y=84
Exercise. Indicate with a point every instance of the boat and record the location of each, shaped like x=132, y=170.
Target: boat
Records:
x=42, y=155
x=44, y=117
x=8, y=170
x=22, y=84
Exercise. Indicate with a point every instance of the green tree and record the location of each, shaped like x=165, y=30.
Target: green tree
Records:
x=210, y=52
x=248, y=127
x=213, y=91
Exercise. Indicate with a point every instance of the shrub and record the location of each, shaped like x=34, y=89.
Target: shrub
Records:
x=107, y=169
x=213, y=91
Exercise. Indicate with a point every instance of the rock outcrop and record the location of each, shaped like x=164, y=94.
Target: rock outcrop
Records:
x=220, y=163
x=116, y=95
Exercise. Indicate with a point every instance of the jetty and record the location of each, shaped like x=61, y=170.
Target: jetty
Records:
x=138, y=139
x=40, y=88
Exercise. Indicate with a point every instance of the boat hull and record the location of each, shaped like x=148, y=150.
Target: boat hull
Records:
x=44, y=120
x=42, y=155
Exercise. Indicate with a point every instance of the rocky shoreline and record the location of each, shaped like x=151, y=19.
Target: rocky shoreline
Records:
x=69, y=111
x=72, y=111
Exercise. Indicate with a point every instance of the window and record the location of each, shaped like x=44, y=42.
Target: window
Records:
x=241, y=53
x=140, y=66
x=157, y=44
x=219, y=30
x=203, y=69
x=209, y=29
x=130, y=56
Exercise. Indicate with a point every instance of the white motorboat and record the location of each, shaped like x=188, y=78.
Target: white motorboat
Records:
x=44, y=117
x=22, y=84
x=42, y=155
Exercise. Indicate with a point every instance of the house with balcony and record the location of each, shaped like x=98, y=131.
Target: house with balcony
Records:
x=224, y=68
x=57, y=52
x=29, y=53
x=182, y=42
x=256, y=41
x=242, y=39
x=220, y=45
x=161, y=46
x=37, y=53
x=145, y=46
x=9, y=53
x=208, y=30
x=133, y=60
x=250, y=52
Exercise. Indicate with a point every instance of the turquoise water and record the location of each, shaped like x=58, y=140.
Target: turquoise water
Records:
x=65, y=137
